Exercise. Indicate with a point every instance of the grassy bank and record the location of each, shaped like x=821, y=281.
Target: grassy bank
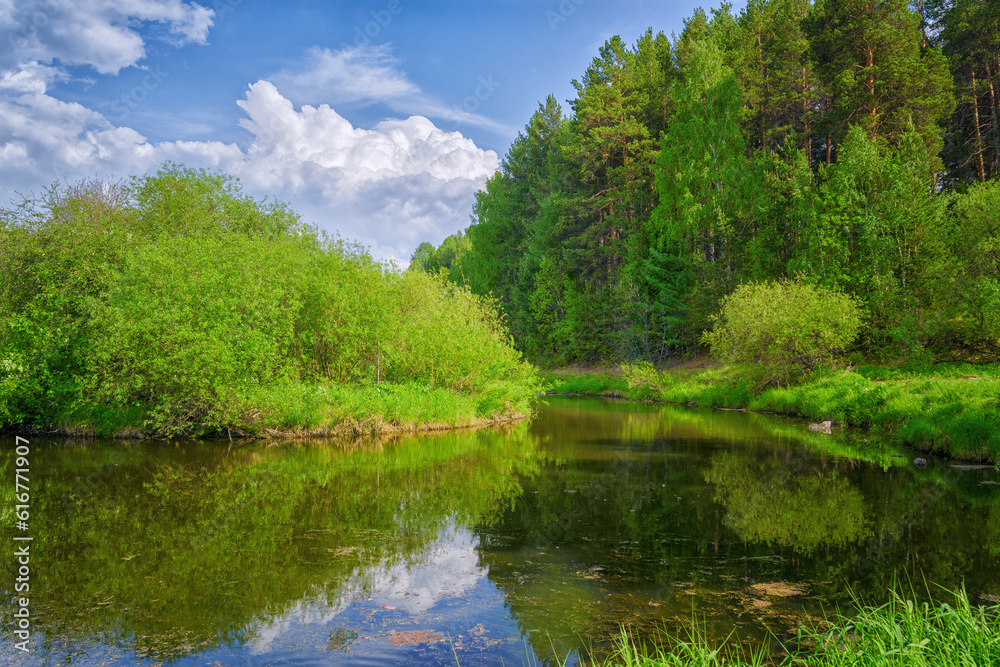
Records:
x=951, y=409
x=900, y=633
x=308, y=411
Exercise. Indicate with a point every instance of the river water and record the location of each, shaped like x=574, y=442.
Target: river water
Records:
x=515, y=545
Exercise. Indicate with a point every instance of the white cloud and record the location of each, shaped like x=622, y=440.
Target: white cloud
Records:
x=98, y=33
x=389, y=187
x=352, y=74
x=370, y=74
x=32, y=77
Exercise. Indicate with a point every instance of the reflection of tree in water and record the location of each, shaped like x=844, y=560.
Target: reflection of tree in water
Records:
x=643, y=510
x=594, y=515
x=803, y=507
x=178, y=550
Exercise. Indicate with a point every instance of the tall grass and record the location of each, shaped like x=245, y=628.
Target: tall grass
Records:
x=903, y=632
x=697, y=651
x=900, y=633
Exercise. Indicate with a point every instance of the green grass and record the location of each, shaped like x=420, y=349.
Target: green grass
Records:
x=669, y=651
x=592, y=384
x=384, y=407
x=297, y=409
x=901, y=633
x=952, y=409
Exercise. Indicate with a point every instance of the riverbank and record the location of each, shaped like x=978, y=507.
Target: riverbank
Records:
x=306, y=411
x=949, y=409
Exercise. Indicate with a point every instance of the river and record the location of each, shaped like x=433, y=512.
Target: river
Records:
x=512, y=545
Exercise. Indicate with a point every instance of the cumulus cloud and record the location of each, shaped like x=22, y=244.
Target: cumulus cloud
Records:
x=389, y=187
x=98, y=33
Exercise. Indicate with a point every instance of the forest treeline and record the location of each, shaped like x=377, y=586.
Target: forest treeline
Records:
x=176, y=304
x=851, y=144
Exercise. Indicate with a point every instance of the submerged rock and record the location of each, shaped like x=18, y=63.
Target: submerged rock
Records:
x=822, y=427
x=920, y=463
x=341, y=638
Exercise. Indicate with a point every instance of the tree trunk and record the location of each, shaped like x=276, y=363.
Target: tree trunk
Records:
x=870, y=85
x=829, y=137
x=978, y=159
x=765, y=92
x=996, y=126
x=923, y=24
x=805, y=122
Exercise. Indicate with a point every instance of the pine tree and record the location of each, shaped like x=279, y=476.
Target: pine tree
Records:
x=968, y=32
x=780, y=88
x=868, y=54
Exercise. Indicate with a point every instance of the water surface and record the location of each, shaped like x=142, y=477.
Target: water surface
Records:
x=498, y=546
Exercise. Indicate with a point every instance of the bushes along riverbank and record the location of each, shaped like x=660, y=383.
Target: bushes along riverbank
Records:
x=175, y=304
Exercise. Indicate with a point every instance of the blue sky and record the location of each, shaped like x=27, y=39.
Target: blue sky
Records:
x=377, y=119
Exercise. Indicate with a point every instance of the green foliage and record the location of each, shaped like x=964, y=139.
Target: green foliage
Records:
x=794, y=138
x=963, y=268
x=643, y=375
x=591, y=384
x=177, y=304
x=190, y=323
x=445, y=258
x=704, y=183
x=783, y=329
x=445, y=336
x=876, y=205
x=870, y=58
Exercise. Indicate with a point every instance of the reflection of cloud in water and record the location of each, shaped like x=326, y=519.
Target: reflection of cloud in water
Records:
x=447, y=568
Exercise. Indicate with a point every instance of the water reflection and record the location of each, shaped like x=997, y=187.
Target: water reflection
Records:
x=491, y=545
x=786, y=499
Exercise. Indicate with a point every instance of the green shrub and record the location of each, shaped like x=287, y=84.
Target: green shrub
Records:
x=191, y=324
x=782, y=330
x=177, y=304
x=445, y=336
x=643, y=375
